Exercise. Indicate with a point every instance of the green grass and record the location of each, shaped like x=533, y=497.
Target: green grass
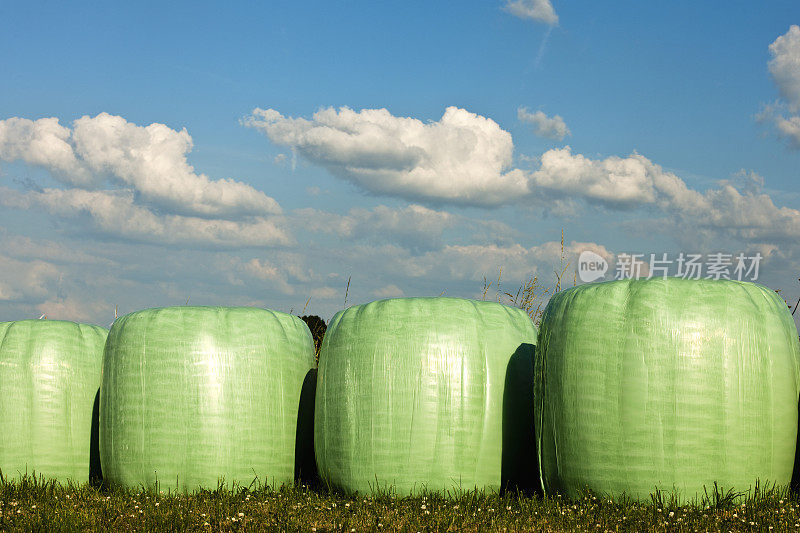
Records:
x=39, y=505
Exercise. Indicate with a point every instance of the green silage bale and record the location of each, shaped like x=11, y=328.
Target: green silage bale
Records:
x=49, y=377
x=194, y=396
x=435, y=394
x=668, y=384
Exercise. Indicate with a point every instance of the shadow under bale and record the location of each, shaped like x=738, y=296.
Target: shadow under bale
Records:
x=519, y=470
x=305, y=464
x=95, y=469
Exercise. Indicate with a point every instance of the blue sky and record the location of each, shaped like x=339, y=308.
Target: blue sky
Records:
x=682, y=123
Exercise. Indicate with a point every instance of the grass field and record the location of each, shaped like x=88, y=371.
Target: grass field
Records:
x=31, y=505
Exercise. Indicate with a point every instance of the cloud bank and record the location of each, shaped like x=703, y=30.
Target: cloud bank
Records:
x=150, y=160
x=134, y=182
x=104, y=201
x=116, y=213
x=467, y=159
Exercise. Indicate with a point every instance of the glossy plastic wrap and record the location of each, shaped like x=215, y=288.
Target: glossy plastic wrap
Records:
x=196, y=395
x=49, y=376
x=666, y=383
x=426, y=394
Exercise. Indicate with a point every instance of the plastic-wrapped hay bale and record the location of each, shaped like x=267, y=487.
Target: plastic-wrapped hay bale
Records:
x=666, y=383
x=49, y=376
x=192, y=396
x=429, y=394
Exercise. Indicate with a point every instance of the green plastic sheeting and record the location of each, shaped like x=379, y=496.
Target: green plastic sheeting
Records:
x=669, y=383
x=49, y=376
x=431, y=394
x=193, y=396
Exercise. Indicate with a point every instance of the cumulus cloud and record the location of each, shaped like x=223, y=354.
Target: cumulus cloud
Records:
x=150, y=160
x=789, y=129
x=614, y=181
x=548, y=127
x=467, y=159
x=44, y=143
x=784, y=66
x=116, y=213
x=748, y=181
x=463, y=158
x=135, y=182
x=635, y=181
x=746, y=215
x=538, y=10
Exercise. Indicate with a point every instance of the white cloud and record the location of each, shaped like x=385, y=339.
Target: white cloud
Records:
x=785, y=69
x=25, y=280
x=116, y=213
x=149, y=160
x=463, y=158
x=614, y=181
x=549, y=127
x=746, y=215
x=262, y=270
x=538, y=10
x=388, y=291
x=748, y=181
x=135, y=182
x=785, y=65
x=789, y=129
x=44, y=143
x=466, y=159
x=136, y=276
x=636, y=181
